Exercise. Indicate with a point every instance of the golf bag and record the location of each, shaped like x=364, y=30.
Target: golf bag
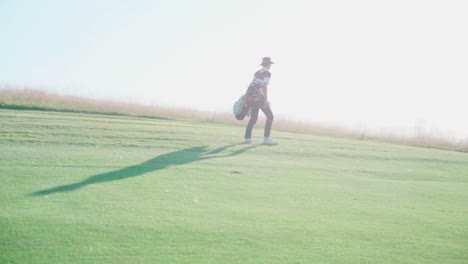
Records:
x=240, y=108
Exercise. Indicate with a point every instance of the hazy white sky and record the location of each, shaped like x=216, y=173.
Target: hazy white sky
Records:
x=367, y=64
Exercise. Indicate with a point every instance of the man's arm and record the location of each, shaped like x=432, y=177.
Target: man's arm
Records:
x=265, y=92
x=266, y=80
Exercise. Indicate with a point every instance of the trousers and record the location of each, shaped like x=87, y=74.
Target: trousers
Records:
x=254, y=117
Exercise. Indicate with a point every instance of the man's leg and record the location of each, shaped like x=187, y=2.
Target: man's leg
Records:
x=252, y=121
x=269, y=122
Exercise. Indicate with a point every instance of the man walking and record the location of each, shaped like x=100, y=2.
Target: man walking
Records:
x=257, y=99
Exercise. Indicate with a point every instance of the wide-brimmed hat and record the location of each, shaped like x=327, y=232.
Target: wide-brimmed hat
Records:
x=266, y=60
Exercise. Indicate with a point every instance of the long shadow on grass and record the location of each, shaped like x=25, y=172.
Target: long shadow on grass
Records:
x=160, y=162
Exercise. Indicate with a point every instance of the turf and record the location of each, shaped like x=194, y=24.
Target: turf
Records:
x=87, y=188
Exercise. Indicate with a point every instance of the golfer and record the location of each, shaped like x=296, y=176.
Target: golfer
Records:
x=257, y=99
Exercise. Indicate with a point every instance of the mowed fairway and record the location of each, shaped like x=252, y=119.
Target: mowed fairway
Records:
x=79, y=188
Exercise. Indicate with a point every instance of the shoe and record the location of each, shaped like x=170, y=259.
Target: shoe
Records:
x=269, y=142
x=248, y=141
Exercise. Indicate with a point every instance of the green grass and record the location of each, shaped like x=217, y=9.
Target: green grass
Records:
x=82, y=188
x=38, y=100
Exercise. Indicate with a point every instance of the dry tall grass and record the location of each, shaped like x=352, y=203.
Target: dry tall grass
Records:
x=28, y=98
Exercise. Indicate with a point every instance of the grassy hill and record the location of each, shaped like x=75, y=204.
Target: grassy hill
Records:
x=15, y=98
x=88, y=188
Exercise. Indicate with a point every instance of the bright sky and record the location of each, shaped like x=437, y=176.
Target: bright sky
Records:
x=373, y=65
